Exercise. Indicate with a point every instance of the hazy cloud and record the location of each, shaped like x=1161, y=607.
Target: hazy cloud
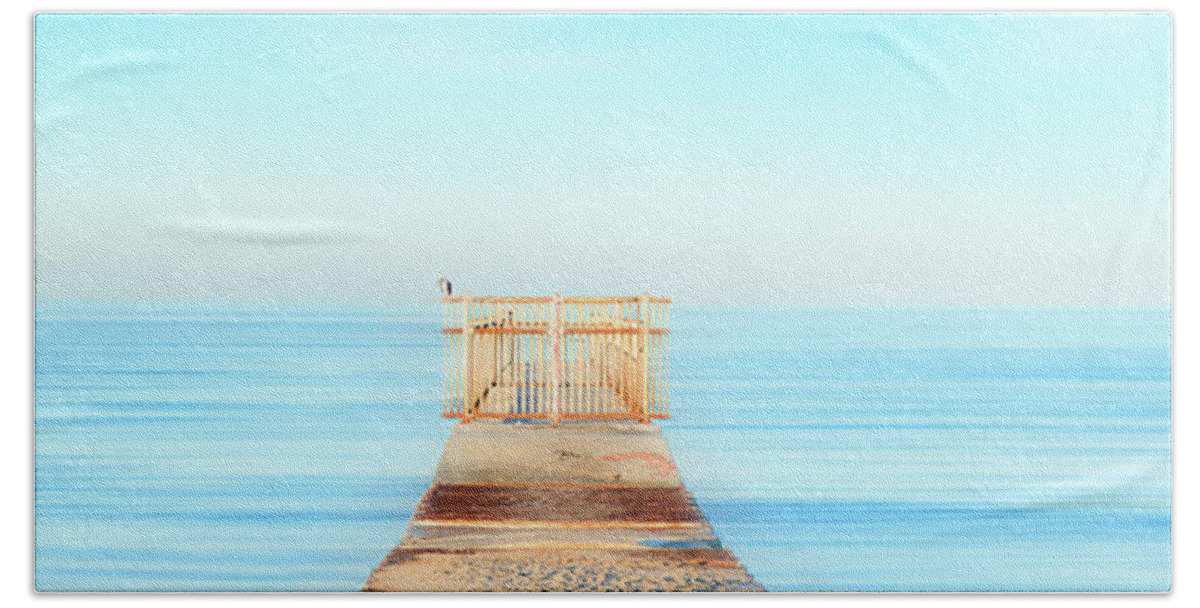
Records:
x=256, y=231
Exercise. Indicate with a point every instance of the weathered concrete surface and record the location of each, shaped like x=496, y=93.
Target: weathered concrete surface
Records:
x=623, y=454
x=575, y=507
x=560, y=570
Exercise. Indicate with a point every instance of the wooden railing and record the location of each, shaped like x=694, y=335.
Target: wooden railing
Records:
x=555, y=358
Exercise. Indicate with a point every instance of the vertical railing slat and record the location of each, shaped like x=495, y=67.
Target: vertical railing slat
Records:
x=467, y=363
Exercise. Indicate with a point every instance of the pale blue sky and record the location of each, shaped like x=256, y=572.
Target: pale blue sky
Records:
x=817, y=160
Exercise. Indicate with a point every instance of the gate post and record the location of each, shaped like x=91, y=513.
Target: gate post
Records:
x=644, y=310
x=556, y=332
x=468, y=336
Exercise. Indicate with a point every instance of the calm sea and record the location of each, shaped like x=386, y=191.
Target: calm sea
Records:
x=226, y=447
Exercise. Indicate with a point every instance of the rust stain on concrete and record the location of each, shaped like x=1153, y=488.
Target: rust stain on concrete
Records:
x=471, y=502
x=658, y=463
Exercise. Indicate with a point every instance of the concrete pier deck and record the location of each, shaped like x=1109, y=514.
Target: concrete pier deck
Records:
x=589, y=506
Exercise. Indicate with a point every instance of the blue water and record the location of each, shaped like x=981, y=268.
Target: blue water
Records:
x=227, y=447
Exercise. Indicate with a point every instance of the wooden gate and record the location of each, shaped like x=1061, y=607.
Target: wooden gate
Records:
x=555, y=358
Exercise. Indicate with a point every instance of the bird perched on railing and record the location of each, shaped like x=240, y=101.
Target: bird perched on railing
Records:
x=447, y=288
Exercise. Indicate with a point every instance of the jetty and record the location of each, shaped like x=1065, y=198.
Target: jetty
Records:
x=556, y=477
